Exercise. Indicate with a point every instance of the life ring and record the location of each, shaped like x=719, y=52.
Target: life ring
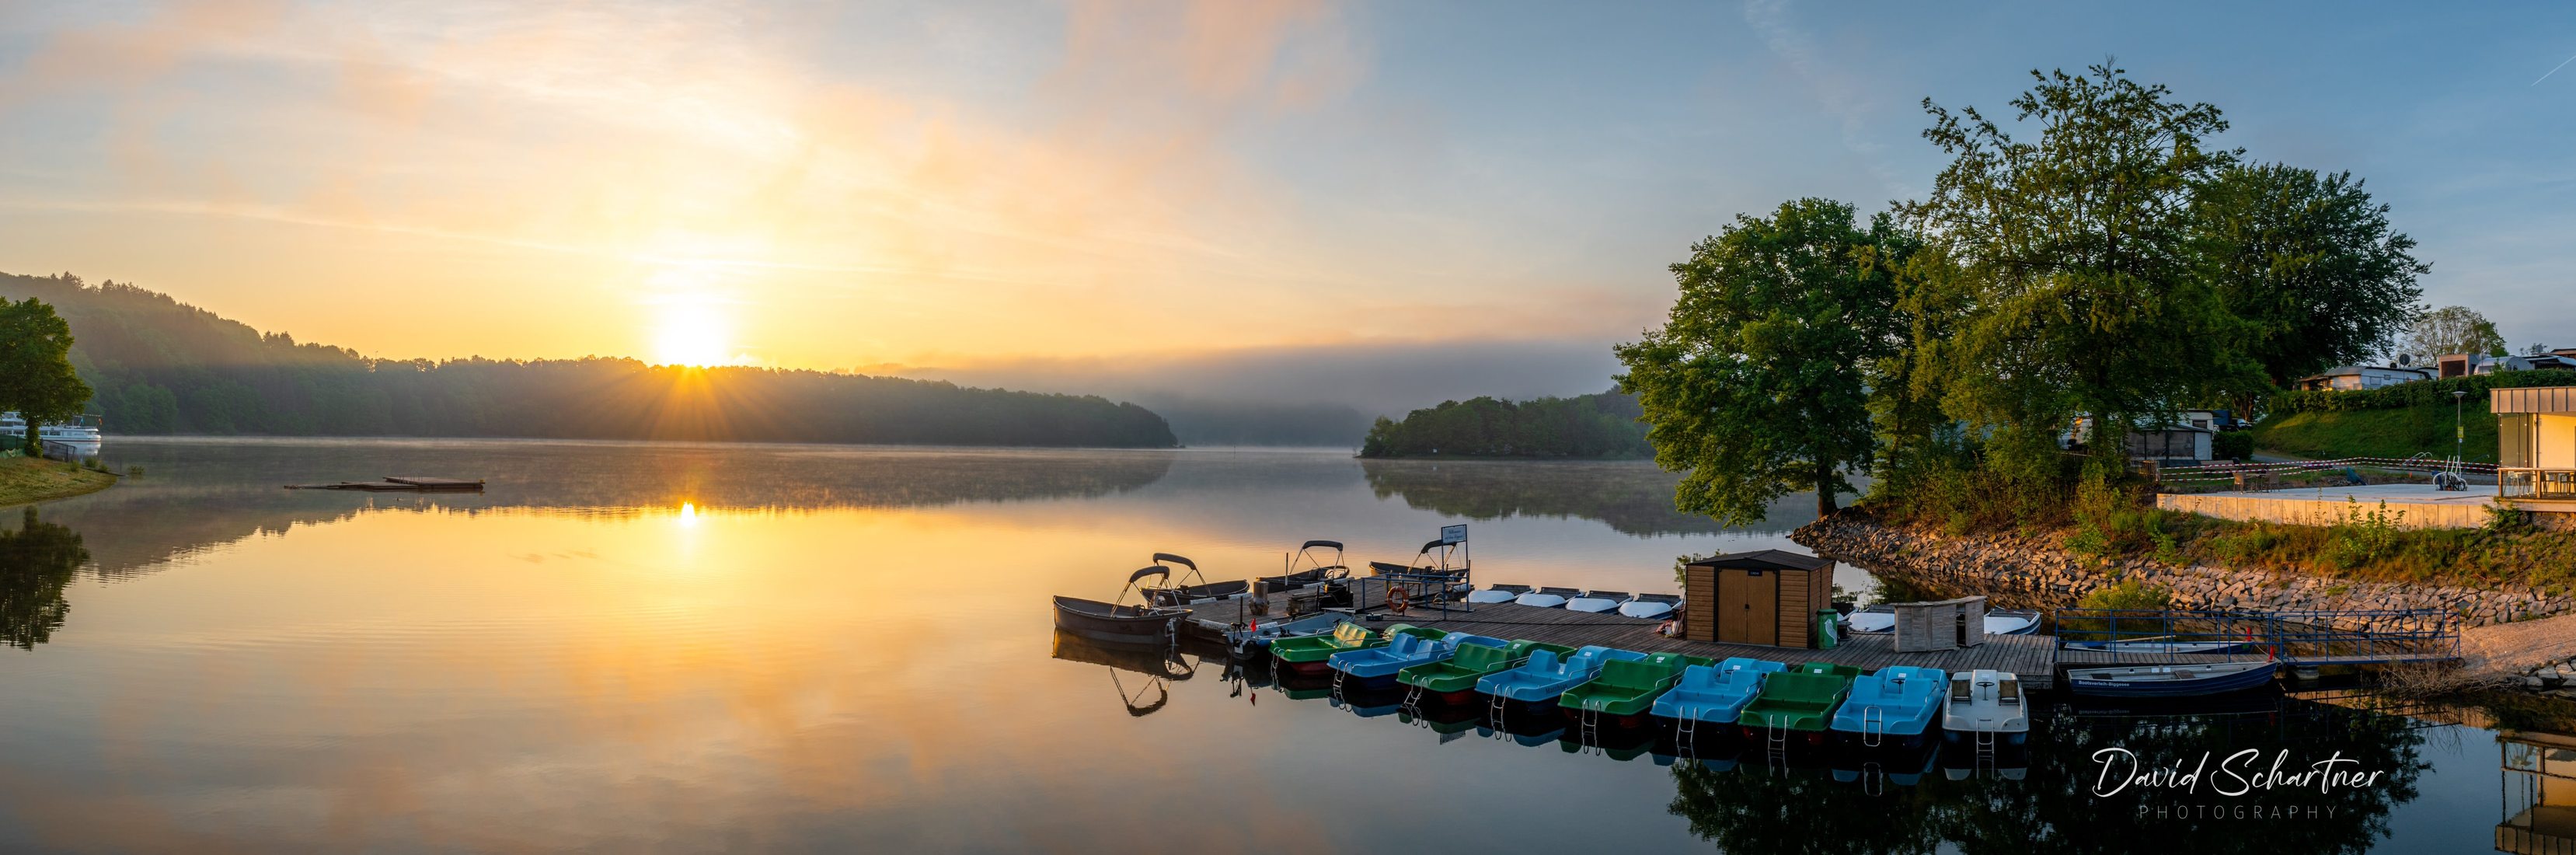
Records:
x=1398, y=599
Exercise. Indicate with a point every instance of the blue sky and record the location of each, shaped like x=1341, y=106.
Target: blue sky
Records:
x=1042, y=193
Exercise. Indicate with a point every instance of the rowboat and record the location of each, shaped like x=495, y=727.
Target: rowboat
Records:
x=1114, y=623
x=2171, y=681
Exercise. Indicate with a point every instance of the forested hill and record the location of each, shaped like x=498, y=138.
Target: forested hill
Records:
x=1602, y=425
x=161, y=366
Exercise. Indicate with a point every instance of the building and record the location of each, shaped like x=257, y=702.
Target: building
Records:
x=2535, y=441
x=2209, y=419
x=2473, y=364
x=2173, y=446
x=2357, y=377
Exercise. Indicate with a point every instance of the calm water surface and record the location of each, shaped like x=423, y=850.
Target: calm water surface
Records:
x=624, y=647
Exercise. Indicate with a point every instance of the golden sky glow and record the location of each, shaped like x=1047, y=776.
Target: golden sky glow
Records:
x=838, y=185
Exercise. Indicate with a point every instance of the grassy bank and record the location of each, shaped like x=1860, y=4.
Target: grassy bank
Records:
x=28, y=479
x=2396, y=433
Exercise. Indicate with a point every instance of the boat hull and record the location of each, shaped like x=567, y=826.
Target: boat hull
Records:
x=1103, y=623
x=2105, y=683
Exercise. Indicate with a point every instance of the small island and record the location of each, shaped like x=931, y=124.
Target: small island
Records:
x=1595, y=427
x=35, y=479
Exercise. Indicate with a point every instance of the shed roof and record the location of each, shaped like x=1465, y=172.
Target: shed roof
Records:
x=1764, y=559
x=2533, y=399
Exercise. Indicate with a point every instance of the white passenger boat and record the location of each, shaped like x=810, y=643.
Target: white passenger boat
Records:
x=1987, y=708
x=74, y=441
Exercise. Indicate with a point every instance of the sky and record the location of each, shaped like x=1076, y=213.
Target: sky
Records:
x=1204, y=196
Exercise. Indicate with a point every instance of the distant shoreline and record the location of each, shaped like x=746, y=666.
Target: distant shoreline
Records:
x=28, y=480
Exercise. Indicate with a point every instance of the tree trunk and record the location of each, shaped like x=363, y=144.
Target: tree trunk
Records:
x=1825, y=493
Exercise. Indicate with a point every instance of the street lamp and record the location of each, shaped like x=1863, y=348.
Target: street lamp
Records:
x=2459, y=428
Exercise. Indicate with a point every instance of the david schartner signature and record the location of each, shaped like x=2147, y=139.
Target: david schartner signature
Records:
x=2237, y=775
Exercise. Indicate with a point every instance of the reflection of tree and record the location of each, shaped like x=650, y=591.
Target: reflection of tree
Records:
x=1633, y=497
x=2054, y=810
x=1752, y=808
x=36, y=562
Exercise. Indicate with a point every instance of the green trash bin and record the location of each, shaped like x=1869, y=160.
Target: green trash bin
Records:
x=1828, y=629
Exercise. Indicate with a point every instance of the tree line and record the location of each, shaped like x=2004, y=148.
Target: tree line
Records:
x=158, y=366
x=1602, y=425
x=2098, y=257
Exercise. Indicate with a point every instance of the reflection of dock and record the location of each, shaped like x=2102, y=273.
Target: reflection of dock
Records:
x=2033, y=657
x=2539, y=772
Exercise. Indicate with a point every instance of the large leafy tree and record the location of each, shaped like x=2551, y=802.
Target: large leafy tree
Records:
x=2448, y=330
x=1758, y=384
x=2072, y=289
x=36, y=377
x=2309, y=266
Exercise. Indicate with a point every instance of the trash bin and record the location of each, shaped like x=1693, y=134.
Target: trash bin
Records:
x=1828, y=629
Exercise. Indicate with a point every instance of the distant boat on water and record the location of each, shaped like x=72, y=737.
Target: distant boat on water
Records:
x=76, y=441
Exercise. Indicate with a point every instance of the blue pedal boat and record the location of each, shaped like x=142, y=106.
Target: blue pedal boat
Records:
x=1713, y=694
x=1537, y=683
x=1892, y=707
x=2170, y=681
x=1376, y=667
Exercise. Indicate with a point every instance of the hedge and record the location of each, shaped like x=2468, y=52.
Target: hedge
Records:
x=2417, y=394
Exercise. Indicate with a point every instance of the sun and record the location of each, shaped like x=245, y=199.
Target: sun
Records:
x=691, y=335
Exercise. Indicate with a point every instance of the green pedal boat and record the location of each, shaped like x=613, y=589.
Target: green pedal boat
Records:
x=1798, y=703
x=1625, y=691
x=1309, y=655
x=1453, y=680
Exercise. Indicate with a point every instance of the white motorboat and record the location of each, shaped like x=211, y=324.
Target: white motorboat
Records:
x=75, y=441
x=1985, y=707
x=1497, y=594
x=1547, y=598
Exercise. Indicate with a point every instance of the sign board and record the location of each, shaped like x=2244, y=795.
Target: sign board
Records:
x=1453, y=534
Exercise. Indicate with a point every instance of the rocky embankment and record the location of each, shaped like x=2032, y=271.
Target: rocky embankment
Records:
x=2034, y=572
x=2514, y=634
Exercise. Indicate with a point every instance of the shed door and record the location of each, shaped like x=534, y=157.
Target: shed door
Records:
x=1748, y=604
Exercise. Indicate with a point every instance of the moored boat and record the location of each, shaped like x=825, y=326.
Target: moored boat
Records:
x=1596, y=602
x=1651, y=606
x=1538, y=682
x=1453, y=680
x=1114, y=623
x=2161, y=647
x=1547, y=598
x=1192, y=588
x=1376, y=667
x=1895, y=706
x=1497, y=594
x=1797, y=703
x=2171, y=681
x=1624, y=693
x=1309, y=655
x=1985, y=707
x=1881, y=618
x=1714, y=695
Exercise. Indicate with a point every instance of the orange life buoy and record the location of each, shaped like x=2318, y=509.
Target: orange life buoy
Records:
x=1398, y=599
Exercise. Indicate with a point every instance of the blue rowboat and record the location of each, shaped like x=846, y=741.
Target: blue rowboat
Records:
x=2170, y=681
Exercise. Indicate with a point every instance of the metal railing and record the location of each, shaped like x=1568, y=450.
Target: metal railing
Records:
x=2523, y=482
x=2348, y=636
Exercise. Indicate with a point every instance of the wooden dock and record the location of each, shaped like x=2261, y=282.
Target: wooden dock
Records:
x=2032, y=657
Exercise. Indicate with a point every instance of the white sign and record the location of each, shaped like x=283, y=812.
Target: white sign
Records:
x=1453, y=534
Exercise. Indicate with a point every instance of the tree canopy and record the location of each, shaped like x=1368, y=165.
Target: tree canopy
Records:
x=1602, y=425
x=36, y=375
x=1758, y=383
x=2449, y=330
x=2309, y=268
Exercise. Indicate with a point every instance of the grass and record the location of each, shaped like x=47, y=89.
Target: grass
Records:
x=2398, y=433
x=29, y=479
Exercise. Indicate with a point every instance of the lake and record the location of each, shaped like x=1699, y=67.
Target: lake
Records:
x=653, y=647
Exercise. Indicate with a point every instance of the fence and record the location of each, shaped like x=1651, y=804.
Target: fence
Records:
x=2421, y=463
x=2296, y=636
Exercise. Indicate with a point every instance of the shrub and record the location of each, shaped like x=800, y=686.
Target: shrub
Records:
x=2234, y=445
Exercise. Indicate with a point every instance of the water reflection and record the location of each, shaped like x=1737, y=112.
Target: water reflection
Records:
x=198, y=494
x=37, y=562
x=1633, y=496
x=2539, y=772
x=1146, y=684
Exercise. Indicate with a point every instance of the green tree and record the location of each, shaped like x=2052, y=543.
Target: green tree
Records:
x=1758, y=384
x=2308, y=265
x=2072, y=286
x=2448, y=330
x=36, y=376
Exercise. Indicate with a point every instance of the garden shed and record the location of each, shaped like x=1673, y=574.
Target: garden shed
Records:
x=1762, y=597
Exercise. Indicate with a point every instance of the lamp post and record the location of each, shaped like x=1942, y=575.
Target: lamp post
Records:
x=2459, y=427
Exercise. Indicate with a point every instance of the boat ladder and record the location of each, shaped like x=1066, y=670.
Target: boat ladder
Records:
x=1337, y=684
x=1985, y=742
x=1591, y=722
x=1775, y=738
x=1873, y=726
x=1686, y=729
x=1873, y=779
x=1413, y=704
x=1494, y=712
